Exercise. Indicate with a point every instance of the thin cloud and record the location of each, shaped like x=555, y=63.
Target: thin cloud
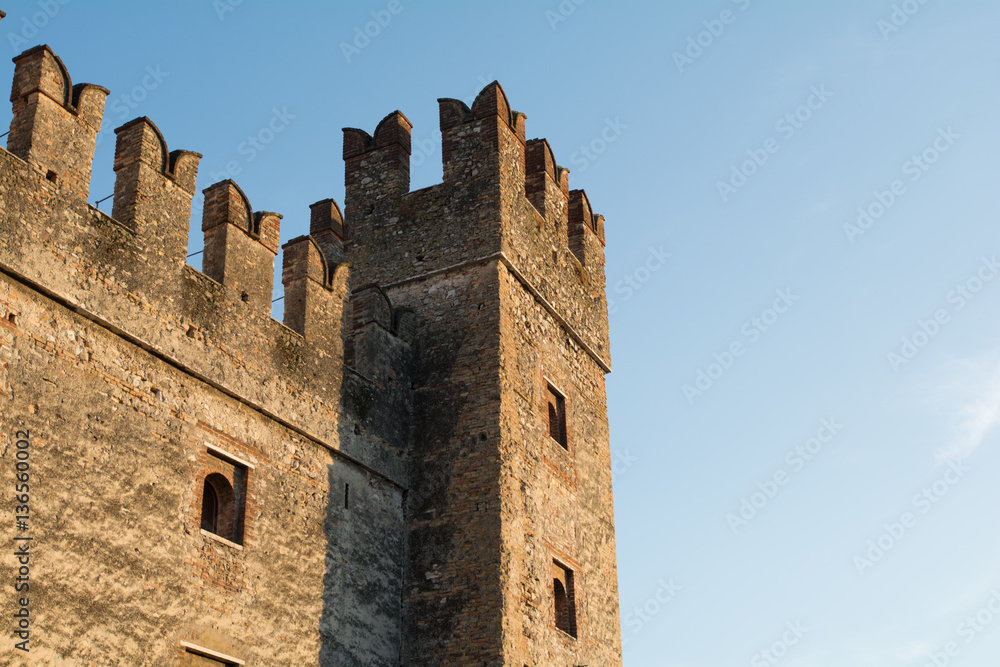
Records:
x=973, y=389
x=891, y=654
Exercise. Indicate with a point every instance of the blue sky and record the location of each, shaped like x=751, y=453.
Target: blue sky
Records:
x=746, y=158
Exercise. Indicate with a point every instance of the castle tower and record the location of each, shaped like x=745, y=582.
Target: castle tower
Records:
x=412, y=468
x=510, y=547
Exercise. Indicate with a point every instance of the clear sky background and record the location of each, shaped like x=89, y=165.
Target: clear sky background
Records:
x=651, y=136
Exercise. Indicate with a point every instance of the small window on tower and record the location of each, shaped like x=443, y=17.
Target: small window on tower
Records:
x=219, y=512
x=564, y=598
x=556, y=415
x=223, y=488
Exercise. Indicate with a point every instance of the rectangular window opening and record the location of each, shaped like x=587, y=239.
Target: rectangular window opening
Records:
x=556, y=415
x=223, y=497
x=564, y=598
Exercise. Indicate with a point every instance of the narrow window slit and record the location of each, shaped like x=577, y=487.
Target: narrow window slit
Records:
x=556, y=407
x=564, y=598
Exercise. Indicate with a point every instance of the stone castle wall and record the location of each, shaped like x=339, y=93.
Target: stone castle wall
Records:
x=403, y=503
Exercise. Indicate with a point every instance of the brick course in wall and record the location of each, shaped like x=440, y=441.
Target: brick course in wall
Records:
x=422, y=331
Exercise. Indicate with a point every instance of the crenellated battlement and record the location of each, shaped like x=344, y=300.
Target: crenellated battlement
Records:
x=240, y=245
x=128, y=270
x=326, y=226
x=546, y=184
x=55, y=123
x=377, y=165
x=153, y=190
x=501, y=197
x=489, y=127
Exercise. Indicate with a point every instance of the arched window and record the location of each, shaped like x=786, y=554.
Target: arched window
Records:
x=210, y=509
x=562, y=606
x=564, y=598
x=218, y=508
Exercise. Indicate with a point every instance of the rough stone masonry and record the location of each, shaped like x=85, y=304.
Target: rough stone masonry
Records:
x=413, y=468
